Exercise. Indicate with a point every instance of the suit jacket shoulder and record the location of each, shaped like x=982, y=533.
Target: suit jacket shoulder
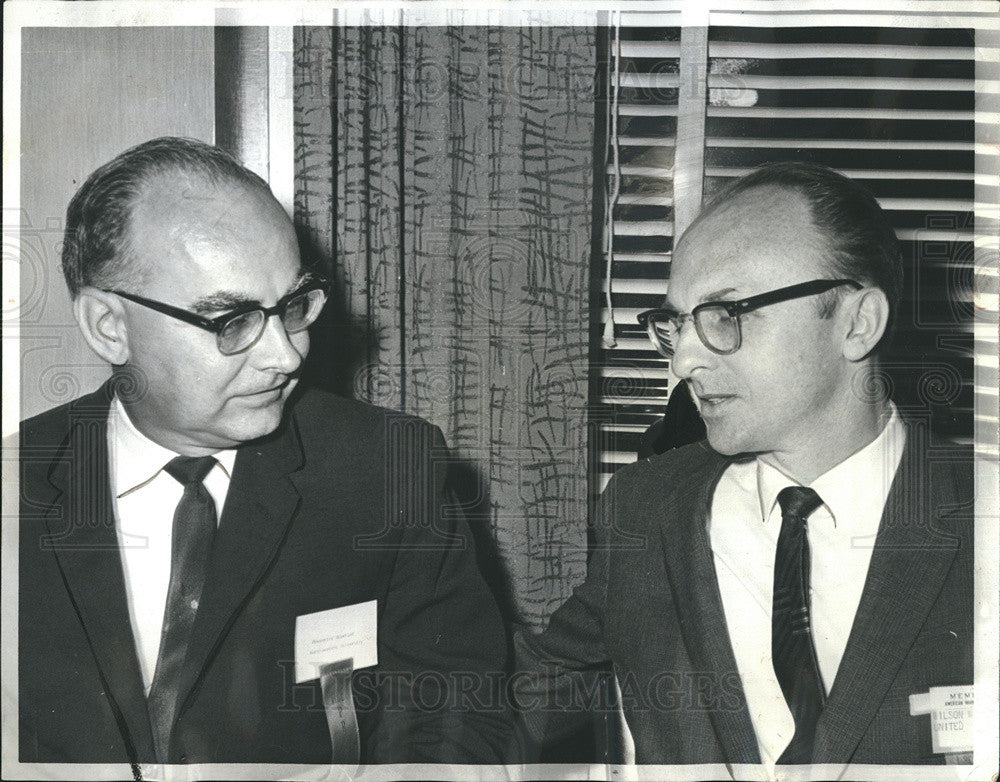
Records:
x=637, y=490
x=315, y=403
x=52, y=426
x=327, y=422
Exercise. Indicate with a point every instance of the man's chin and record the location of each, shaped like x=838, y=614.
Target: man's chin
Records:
x=258, y=423
x=727, y=443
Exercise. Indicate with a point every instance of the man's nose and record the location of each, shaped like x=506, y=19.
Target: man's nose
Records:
x=275, y=350
x=690, y=353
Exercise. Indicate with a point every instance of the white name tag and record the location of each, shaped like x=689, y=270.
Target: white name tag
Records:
x=334, y=635
x=951, y=717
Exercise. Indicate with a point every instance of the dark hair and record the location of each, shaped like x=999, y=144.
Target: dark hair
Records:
x=862, y=243
x=95, y=241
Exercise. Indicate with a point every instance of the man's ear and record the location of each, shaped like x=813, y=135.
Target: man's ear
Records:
x=867, y=313
x=101, y=318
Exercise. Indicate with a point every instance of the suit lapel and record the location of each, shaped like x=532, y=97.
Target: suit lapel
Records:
x=82, y=537
x=691, y=572
x=908, y=567
x=260, y=504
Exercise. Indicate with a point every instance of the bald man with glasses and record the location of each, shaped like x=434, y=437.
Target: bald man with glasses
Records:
x=796, y=588
x=218, y=565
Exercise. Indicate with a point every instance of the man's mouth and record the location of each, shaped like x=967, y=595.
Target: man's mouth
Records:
x=271, y=392
x=710, y=403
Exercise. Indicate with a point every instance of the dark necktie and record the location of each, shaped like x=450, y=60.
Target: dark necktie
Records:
x=792, y=651
x=191, y=545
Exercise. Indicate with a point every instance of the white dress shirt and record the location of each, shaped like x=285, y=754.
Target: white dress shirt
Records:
x=743, y=529
x=145, y=500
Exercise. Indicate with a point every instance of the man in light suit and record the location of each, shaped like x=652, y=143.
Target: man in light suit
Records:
x=776, y=593
x=187, y=530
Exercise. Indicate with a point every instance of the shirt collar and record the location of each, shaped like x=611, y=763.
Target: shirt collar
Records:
x=854, y=486
x=137, y=459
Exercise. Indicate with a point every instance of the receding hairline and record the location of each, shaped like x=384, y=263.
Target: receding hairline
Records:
x=166, y=180
x=773, y=191
x=170, y=175
x=766, y=200
x=100, y=214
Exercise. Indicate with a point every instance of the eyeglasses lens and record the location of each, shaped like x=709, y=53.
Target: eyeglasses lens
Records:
x=240, y=332
x=664, y=334
x=299, y=313
x=717, y=329
x=302, y=310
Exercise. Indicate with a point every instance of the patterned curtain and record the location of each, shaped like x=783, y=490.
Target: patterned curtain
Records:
x=446, y=175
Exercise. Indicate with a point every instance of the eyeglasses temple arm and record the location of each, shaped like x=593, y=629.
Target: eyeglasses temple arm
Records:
x=811, y=288
x=175, y=312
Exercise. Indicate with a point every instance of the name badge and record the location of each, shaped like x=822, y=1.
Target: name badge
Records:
x=951, y=717
x=347, y=633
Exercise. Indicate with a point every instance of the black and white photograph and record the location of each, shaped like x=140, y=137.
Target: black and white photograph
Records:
x=502, y=391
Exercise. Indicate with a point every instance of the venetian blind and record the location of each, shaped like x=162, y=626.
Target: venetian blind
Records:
x=630, y=382
x=892, y=107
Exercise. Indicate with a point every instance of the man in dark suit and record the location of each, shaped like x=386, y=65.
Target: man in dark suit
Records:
x=778, y=592
x=215, y=565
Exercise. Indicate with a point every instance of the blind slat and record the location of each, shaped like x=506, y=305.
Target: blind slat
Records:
x=857, y=173
x=643, y=257
x=790, y=51
x=653, y=171
x=898, y=204
x=666, y=50
x=661, y=50
x=633, y=344
x=610, y=399
x=835, y=112
x=633, y=285
x=646, y=141
x=643, y=228
x=750, y=81
x=826, y=143
x=630, y=428
x=636, y=199
x=634, y=373
x=643, y=110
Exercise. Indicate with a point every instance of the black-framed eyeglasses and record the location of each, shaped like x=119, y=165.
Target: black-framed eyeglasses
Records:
x=718, y=322
x=239, y=329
